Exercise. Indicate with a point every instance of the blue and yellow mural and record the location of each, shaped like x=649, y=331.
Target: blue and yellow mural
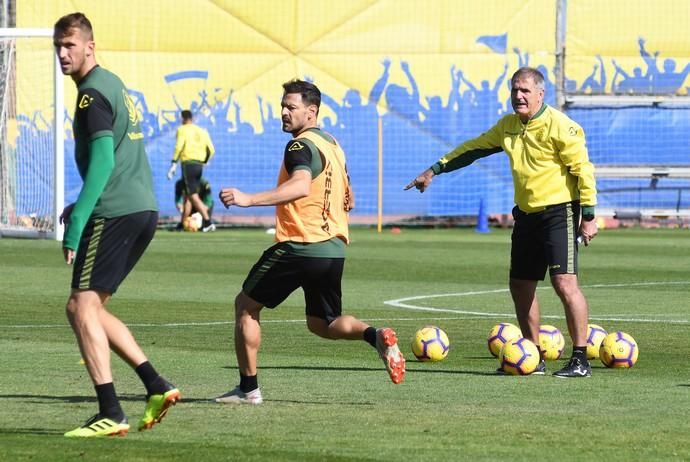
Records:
x=435, y=72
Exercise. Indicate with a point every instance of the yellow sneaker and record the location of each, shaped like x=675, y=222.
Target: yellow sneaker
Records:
x=157, y=407
x=100, y=426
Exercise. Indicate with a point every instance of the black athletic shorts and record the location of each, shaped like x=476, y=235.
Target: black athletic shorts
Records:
x=109, y=248
x=546, y=239
x=191, y=172
x=279, y=272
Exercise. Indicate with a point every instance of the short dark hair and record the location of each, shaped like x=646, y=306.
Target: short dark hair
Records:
x=529, y=72
x=310, y=92
x=69, y=21
x=186, y=115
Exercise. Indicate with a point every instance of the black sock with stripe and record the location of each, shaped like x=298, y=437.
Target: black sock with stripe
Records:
x=580, y=353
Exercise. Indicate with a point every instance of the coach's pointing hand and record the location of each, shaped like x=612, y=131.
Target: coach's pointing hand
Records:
x=422, y=181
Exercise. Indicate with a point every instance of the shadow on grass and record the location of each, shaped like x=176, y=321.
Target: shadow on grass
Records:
x=27, y=398
x=427, y=368
x=65, y=399
x=29, y=431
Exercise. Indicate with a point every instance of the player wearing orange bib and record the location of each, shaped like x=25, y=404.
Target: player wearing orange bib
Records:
x=312, y=201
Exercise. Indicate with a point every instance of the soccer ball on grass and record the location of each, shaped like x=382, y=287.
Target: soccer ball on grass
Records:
x=430, y=343
x=551, y=341
x=193, y=222
x=519, y=356
x=595, y=335
x=618, y=350
x=500, y=334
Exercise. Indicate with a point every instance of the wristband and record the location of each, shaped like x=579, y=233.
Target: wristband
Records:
x=588, y=212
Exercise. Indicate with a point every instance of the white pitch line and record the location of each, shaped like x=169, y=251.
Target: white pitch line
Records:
x=400, y=303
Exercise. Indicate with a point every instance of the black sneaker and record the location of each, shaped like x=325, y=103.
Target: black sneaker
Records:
x=541, y=368
x=575, y=368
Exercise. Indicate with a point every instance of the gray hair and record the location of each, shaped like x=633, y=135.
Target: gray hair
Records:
x=529, y=73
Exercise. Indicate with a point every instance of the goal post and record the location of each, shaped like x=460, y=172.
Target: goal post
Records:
x=32, y=116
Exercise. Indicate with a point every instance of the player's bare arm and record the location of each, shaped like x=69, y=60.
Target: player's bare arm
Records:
x=349, y=198
x=296, y=187
x=422, y=181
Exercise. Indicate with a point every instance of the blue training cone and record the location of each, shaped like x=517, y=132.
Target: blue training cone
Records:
x=482, y=218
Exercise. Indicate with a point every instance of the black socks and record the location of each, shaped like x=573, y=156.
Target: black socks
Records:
x=580, y=352
x=108, y=404
x=154, y=383
x=248, y=383
x=370, y=336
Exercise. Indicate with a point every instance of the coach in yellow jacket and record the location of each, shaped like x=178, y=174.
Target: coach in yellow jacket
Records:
x=193, y=148
x=555, y=194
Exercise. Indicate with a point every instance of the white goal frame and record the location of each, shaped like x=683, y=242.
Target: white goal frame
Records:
x=59, y=154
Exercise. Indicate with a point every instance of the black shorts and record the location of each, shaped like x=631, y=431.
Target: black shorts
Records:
x=546, y=239
x=191, y=173
x=279, y=272
x=109, y=248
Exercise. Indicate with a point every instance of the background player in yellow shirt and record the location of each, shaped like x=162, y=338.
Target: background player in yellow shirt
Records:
x=193, y=148
x=312, y=200
x=554, y=183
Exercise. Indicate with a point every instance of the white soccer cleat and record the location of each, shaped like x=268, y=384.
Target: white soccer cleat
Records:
x=237, y=396
x=387, y=346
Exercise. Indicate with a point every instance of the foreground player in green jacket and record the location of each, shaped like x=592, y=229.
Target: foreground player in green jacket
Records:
x=108, y=228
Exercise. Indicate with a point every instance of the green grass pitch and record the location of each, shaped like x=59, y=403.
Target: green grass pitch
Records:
x=333, y=401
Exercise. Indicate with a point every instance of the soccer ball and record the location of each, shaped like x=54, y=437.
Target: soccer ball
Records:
x=595, y=334
x=430, y=343
x=193, y=222
x=500, y=334
x=618, y=349
x=519, y=356
x=551, y=341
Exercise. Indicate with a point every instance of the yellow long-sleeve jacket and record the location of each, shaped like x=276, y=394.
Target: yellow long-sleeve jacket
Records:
x=193, y=144
x=548, y=159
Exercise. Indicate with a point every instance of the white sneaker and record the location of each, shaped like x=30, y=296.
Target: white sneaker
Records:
x=387, y=346
x=237, y=396
x=209, y=228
